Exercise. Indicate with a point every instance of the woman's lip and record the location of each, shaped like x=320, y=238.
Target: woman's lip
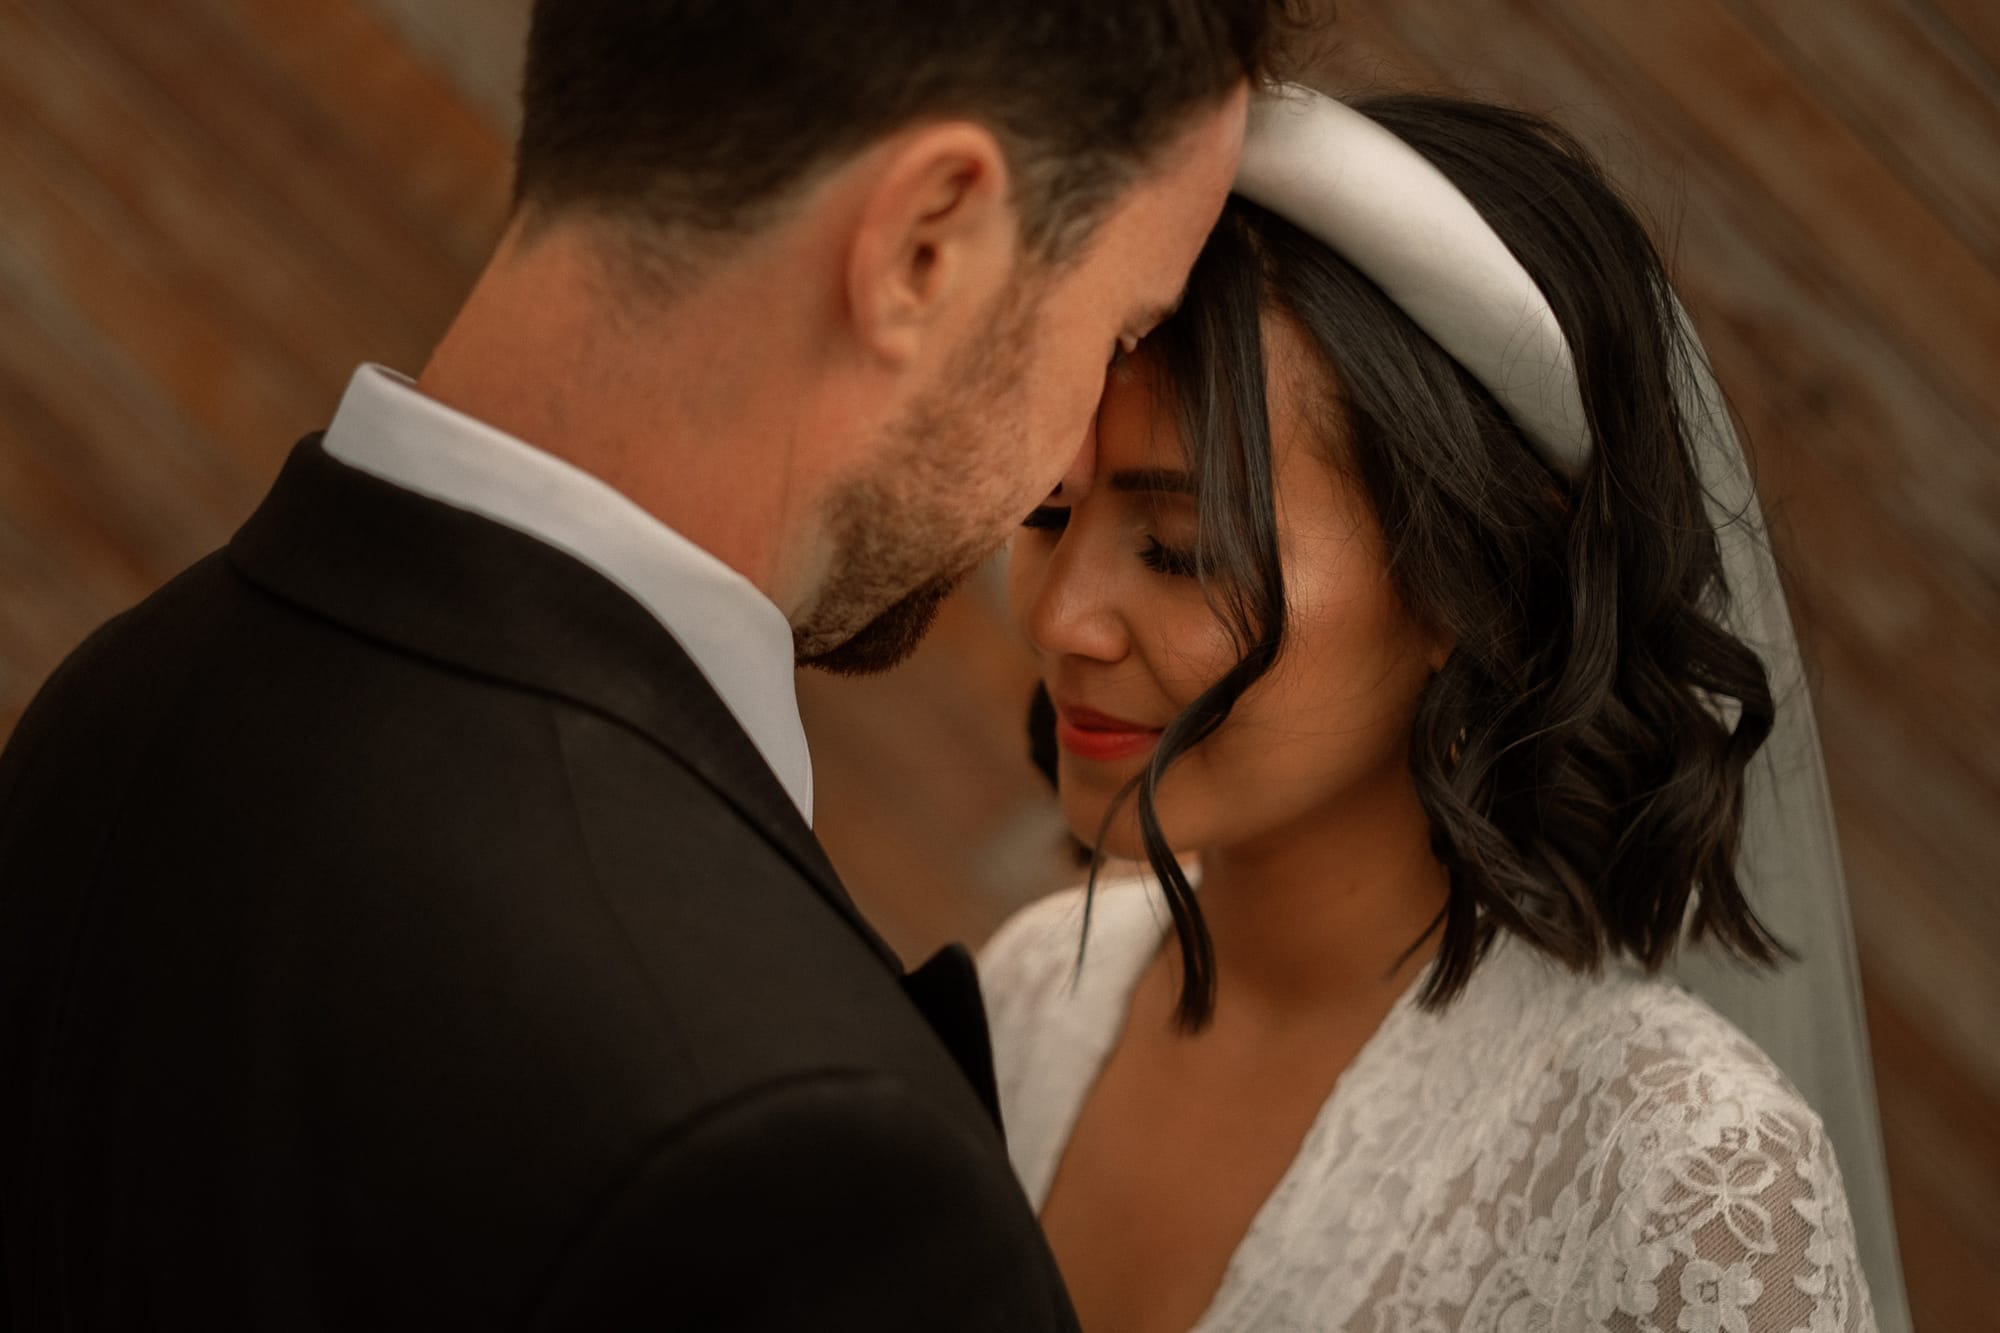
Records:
x=1089, y=734
x=1091, y=720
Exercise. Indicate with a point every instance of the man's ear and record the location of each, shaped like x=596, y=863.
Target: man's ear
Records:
x=935, y=240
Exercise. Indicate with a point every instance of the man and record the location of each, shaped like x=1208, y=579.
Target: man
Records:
x=409, y=917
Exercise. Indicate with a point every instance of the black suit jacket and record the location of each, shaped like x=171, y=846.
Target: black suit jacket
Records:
x=396, y=931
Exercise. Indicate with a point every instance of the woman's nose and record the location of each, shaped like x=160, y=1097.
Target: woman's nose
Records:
x=1072, y=609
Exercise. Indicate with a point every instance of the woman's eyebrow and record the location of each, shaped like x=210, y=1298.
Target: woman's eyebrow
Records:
x=1170, y=481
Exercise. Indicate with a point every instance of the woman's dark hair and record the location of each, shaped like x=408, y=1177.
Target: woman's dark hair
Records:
x=1581, y=754
x=695, y=118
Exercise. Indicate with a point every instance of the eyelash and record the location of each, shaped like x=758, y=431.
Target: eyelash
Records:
x=1169, y=561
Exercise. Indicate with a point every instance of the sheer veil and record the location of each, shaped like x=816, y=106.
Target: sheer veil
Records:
x=1373, y=199
x=1807, y=1015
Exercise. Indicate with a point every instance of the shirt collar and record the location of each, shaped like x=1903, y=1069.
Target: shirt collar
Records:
x=738, y=638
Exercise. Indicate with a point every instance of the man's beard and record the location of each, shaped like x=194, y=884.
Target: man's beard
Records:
x=891, y=637
x=906, y=535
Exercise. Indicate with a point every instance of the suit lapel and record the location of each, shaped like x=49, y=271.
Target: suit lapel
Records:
x=461, y=589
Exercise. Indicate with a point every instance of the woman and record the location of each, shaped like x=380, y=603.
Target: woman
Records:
x=1420, y=649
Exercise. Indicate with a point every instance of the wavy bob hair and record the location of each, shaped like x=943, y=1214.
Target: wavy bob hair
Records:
x=1581, y=754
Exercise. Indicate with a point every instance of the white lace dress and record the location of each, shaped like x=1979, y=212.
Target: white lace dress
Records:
x=1550, y=1153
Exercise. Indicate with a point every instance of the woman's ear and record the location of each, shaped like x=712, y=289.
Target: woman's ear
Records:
x=935, y=241
x=1438, y=648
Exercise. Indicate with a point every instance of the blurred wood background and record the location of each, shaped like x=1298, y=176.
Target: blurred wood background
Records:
x=211, y=211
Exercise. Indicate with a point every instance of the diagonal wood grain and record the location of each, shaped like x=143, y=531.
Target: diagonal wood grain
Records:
x=1936, y=125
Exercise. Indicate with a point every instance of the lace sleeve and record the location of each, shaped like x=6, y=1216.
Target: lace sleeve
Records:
x=1729, y=1216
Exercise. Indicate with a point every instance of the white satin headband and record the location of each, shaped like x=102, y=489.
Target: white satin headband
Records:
x=1383, y=207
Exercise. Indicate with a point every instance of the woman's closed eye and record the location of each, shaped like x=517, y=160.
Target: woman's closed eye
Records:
x=1171, y=561
x=1156, y=555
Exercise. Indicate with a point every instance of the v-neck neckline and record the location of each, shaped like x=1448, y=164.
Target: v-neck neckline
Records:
x=1103, y=1006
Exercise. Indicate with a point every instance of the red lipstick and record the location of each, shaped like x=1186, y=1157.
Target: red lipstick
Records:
x=1100, y=737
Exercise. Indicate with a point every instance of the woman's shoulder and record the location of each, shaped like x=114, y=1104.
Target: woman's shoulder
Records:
x=1665, y=1076
x=1653, y=1039
x=1720, y=1188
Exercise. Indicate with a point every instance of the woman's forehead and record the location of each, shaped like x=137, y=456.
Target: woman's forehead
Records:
x=1138, y=425
x=1140, y=422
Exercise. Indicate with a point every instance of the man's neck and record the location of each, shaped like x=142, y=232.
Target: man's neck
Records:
x=683, y=410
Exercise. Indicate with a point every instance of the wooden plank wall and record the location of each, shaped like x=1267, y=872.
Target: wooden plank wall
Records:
x=208, y=215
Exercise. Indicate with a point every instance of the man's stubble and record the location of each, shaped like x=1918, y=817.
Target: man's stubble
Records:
x=918, y=524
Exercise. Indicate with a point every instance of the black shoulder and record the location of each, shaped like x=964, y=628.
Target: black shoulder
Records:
x=829, y=1201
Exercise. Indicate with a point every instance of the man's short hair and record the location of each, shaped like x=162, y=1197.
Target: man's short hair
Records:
x=694, y=121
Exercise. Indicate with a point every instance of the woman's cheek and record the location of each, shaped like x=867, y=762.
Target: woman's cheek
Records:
x=1185, y=645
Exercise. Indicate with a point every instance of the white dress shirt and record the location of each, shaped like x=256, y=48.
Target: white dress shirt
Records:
x=738, y=637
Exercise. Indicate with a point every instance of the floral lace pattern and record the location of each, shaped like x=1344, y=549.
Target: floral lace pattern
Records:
x=1551, y=1154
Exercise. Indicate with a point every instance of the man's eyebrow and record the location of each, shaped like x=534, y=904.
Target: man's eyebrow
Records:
x=1141, y=480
